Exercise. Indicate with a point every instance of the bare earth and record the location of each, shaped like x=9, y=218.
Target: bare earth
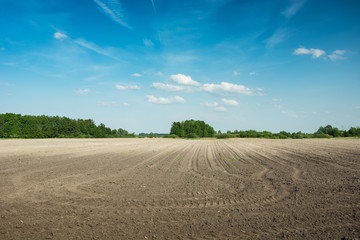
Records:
x=179, y=189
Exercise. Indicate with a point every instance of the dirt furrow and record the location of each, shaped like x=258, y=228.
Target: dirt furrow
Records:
x=179, y=189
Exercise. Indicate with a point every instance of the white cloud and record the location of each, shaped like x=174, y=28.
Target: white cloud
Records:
x=132, y=87
x=357, y=107
x=214, y=104
x=83, y=91
x=113, y=9
x=230, y=102
x=148, y=43
x=159, y=100
x=59, y=35
x=136, y=75
x=159, y=74
x=168, y=87
x=126, y=104
x=221, y=109
x=316, y=53
x=301, y=51
x=162, y=100
x=293, y=8
x=184, y=80
x=337, y=55
x=226, y=88
x=252, y=73
x=179, y=99
x=2, y=49
x=236, y=74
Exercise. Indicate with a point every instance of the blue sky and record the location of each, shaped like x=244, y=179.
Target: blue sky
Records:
x=140, y=65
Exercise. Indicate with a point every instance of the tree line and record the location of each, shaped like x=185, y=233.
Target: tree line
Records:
x=323, y=132
x=18, y=126
x=27, y=126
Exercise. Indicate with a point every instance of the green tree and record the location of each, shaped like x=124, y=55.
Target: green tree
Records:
x=185, y=128
x=122, y=132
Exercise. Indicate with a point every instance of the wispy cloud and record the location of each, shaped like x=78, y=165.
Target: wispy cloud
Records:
x=2, y=49
x=148, y=43
x=59, y=35
x=277, y=106
x=230, y=102
x=107, y=51
x=227, y=89
x=136, y=75
x=153, y=5
x=6, y=84
x=289, y=114
x=112, y=104
x=213, y=104
x=10, y=64
x=162, y=100
x=131, y=87
x=278, y=37
x=108, y=104
x=337, y=55
x=93, y=47
x=236, y=73
x=221, y=109
x=295, y=6
x=252, y=73
x=113, y=9
x=184, y=80
x=276, y=103
x=83, y=91
x=159, y=74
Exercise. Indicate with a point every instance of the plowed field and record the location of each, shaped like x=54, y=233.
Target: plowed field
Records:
x=179, y=189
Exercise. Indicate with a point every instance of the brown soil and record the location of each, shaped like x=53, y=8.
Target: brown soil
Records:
x=179, y=189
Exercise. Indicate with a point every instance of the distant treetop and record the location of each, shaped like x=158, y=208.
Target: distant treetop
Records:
x=192, y=129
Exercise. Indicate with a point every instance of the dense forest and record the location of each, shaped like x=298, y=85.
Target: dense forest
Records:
x=18, y=126
x=192, y=129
